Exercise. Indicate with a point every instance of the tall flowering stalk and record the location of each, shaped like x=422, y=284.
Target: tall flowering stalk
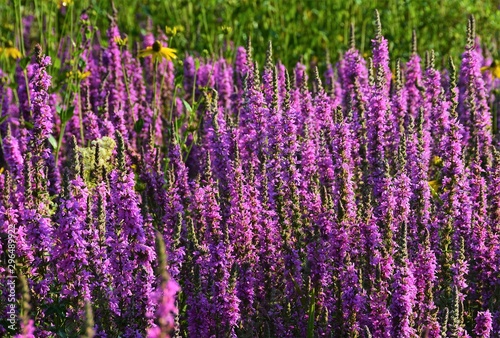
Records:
x=164, y=296
x=405, y=292
x=132, y=251
x=413, y=82
x=474, y=109
x=70, y=249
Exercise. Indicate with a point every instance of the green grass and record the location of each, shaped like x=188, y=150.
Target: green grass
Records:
x=299, y=29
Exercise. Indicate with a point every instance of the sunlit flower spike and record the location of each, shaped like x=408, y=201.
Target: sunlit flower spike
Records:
x=158, y=52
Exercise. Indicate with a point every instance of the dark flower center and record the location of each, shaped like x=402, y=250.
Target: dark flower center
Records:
x=156, y=46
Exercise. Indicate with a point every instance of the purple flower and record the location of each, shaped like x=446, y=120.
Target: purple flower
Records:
x=413, y=77
x=43, y=119
x=223, y=78
x=131, y=256
x=27, y=330
x=70, y=250
x=424, y=271
x=473, y=105
x=9, y=108
x=164, y=297
x=12, y=156
x=483, y=326
x=381, y=56
x=114, y=86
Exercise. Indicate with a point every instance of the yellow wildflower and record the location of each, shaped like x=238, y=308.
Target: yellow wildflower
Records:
x=437, y=161
x=227, y=29
x=435, y=185
x=78, y=75
x=121, y=42
x=8, y=26
x=172, y=31
x=64, y=3
x=10, y=52
x=158, y=52
x=83, y=75
x=494, y=68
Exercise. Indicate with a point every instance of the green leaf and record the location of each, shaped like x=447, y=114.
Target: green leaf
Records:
x=28, y=125
x=177, y=124
x=52, y=141
x=312, y=310
x=81, y=63
x=3, y=119
x=56, y=63
x=187, y=106
x=138, y=125
x=61, y=333
x=24, y=62
x=67, y=114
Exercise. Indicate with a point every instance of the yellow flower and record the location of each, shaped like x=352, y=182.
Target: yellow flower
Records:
x=121, y=42
x=78, y=75
x=437, y=161
x=8, y=26
x=435, y=185
x=173, y=31
x=158, y=52
x=64, y=3
x=83, y=75
x=226, y=30
x=494, y=68
x=10, y=52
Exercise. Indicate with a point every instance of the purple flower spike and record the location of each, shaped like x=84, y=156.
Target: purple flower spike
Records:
x=43, y=119
x=483, y=326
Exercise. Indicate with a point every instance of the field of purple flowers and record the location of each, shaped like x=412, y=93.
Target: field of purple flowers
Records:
x=233, y=201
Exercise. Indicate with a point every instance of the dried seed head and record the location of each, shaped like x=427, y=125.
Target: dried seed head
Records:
x=471, y=32
x=274, y=103
x=399, y=75
x=317, y=80
x=288, y=86
x=378, y=26
x=414, y=42
x=120, y=151
x=429, y=59
x=269, y=56
x=249, y=50
x=38, y=53
x=352, y=39
x=371, y=72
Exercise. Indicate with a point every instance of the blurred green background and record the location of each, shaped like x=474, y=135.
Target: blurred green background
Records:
x=297, y=28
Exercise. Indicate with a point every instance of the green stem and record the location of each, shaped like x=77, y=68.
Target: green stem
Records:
x=194, y=88
x=80, y=116
x=20, y=26
x=71, y=30
x=27, y=89
x=172, y=104
x=59, y=141
x=125, y=78
x=155, y=106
